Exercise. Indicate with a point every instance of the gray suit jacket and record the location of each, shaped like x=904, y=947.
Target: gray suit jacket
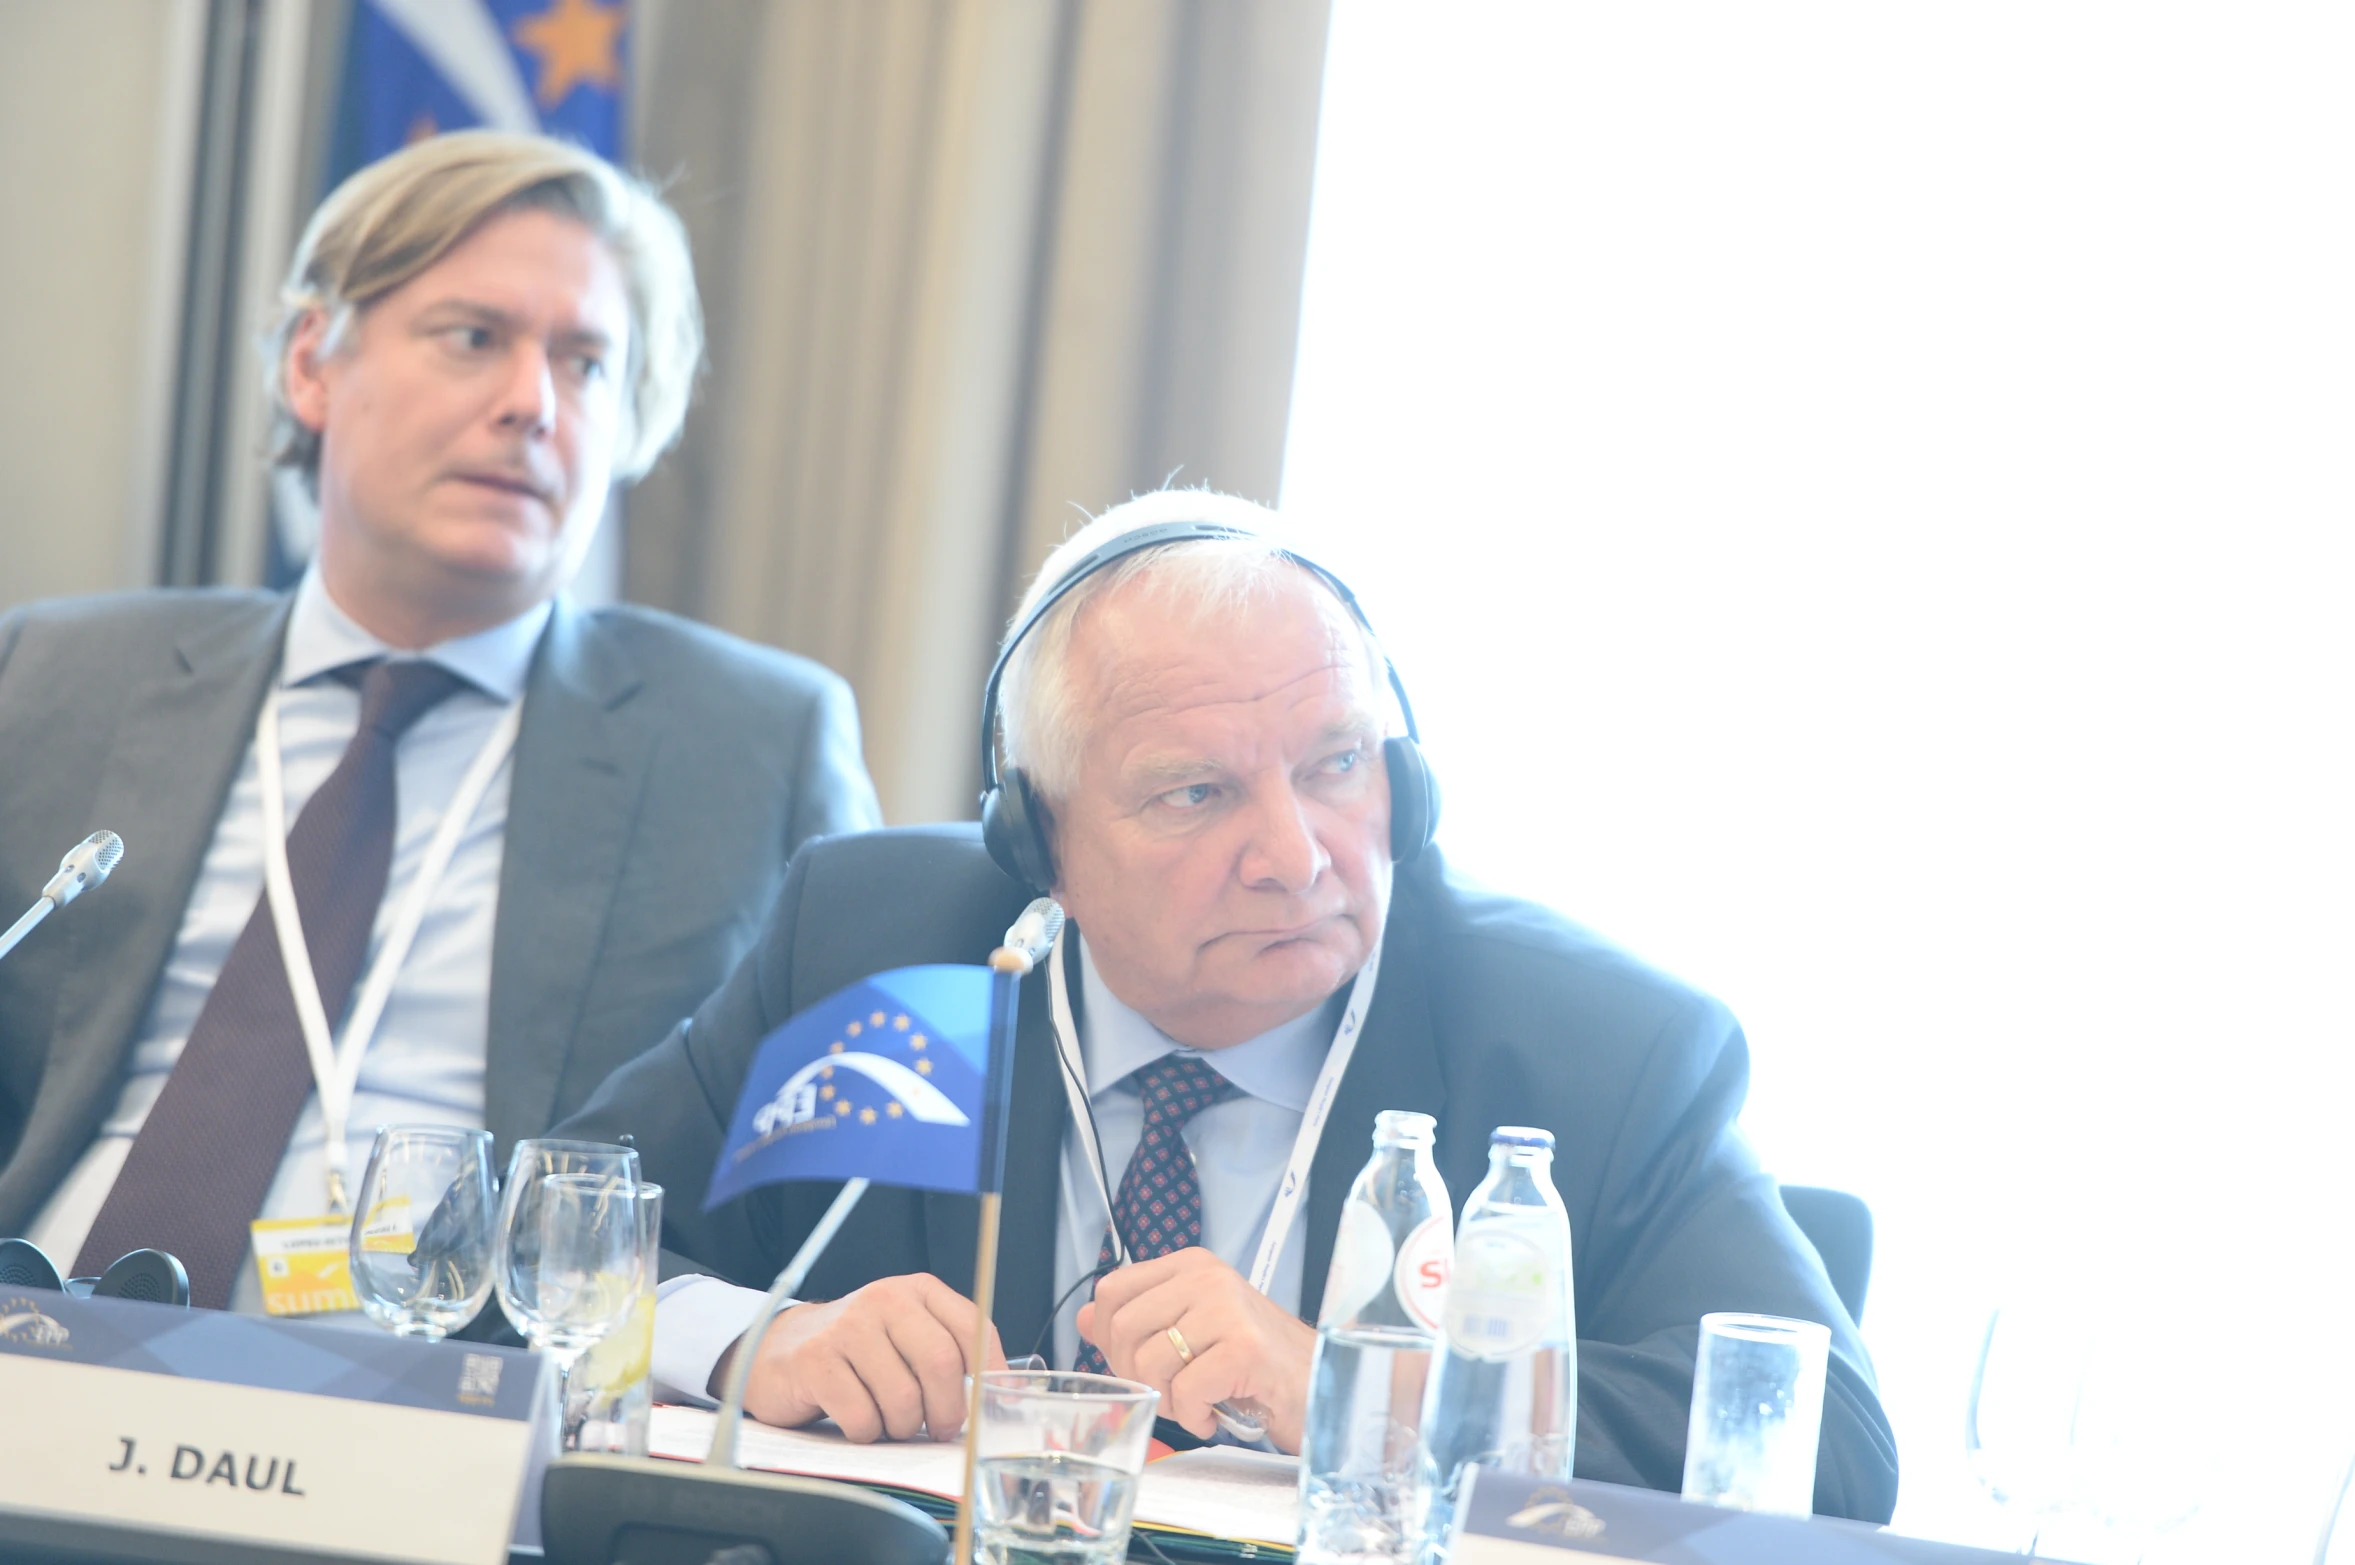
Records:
x=1490, y=1011
x=664, y=774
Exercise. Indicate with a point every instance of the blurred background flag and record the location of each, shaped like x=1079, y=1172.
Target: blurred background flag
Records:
x=882, y=1080
x=417, y=67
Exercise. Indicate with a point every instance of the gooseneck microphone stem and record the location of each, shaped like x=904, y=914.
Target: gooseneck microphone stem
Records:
x=24, y=926
x=731, y=1420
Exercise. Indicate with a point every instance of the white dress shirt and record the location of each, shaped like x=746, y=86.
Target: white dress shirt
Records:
x=1240, y=1147
x=426, y=1064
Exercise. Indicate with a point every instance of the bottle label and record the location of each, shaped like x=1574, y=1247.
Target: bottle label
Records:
x=1421, y=1273
x=1361, y=1264
x=1502, y=1300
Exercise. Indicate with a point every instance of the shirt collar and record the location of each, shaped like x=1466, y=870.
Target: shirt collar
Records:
x=1279, y=1066
x=320, y=637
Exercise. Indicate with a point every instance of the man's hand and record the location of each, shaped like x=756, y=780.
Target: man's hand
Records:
x=889, y=1359
x=1243, y=1347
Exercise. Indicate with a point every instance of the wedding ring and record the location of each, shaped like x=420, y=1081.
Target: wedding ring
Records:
x=1177, y=1340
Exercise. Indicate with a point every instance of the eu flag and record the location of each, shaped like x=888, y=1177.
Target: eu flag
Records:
x=884, y=1080
x=417, y=67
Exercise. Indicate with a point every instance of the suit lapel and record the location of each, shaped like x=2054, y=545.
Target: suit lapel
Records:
x=1034, y=1149
x=580, y=763
x=180, y=736
x=1396, y=1066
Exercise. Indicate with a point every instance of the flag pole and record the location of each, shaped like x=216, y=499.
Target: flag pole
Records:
x=1027, y=943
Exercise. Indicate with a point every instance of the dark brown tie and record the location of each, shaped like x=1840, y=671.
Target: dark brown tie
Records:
x=203, y=1163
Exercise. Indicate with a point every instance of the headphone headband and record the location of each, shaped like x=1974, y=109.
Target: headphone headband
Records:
x=1156, y=536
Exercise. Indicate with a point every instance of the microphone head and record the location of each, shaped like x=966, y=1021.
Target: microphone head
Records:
x=90, y=862
x=1034, y=933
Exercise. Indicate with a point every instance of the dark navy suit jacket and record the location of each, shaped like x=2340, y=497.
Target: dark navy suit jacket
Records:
x=1490, y=1011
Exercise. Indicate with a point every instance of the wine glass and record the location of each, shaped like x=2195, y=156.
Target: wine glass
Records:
x=2019, y=1429
x=421, y=1237
x=516, y=1262
x=2080, y=1419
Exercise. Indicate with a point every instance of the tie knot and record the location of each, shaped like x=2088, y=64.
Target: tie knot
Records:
x=394, y=695
x=1176, y=1087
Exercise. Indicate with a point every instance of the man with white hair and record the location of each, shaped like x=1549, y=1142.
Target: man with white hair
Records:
x=1201, y=765
x=518, y=838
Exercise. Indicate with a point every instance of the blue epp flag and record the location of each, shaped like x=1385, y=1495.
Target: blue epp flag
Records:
x=882, y=1080
x=414, y=68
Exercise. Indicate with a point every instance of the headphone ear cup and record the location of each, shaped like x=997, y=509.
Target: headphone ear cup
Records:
x=1014, y=824
x=1414, y=799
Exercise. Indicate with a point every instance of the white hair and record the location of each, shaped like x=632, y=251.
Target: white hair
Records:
x=1039, y=729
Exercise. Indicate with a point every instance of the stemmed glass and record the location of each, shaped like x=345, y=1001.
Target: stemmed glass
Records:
x=2019, y=1431
x=565, y=1264
x=2080, y=1420
x=421, y=1237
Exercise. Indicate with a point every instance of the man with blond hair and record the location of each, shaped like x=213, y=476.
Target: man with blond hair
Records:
x=519, y=839
x=1203, y=764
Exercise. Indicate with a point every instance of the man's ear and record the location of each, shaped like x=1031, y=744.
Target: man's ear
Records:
x=305, y=385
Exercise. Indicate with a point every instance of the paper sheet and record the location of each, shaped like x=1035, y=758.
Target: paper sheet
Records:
x=1249, y=1496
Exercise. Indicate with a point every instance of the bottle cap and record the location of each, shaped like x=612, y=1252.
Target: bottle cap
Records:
x=1521, y=1136
x=1393, y=1126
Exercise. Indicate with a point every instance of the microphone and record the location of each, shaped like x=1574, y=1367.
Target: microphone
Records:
x=90, y=862
x=1030, y=938
x=88, y=865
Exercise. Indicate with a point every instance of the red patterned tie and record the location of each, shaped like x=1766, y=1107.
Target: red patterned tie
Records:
x=1158, y=1207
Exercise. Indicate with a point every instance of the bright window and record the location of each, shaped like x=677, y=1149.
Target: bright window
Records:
x=1861, y=497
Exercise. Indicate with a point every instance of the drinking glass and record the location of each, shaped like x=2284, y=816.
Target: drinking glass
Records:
x=1757, y=1413
x=613, y=1382
x=517, y=1262
x=422, y=1234
x=1059, y=1459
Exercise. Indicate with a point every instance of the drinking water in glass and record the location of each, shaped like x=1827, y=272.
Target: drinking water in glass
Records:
x=1364, y=1480
x=1505, y=1394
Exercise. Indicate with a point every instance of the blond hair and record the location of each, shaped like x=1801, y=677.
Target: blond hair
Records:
x=398, y=216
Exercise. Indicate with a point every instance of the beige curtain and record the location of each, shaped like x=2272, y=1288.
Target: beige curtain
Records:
x=971, y=268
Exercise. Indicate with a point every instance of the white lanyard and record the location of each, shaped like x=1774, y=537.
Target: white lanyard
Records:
x=1304, y=1146
x=335, y=1067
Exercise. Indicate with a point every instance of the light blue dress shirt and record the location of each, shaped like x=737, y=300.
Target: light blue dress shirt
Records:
x=1240, y=1147
x=427, y=1063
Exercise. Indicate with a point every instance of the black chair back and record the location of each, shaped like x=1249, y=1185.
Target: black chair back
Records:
x=1841, y=1228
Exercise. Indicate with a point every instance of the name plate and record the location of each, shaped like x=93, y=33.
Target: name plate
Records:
x=1527, y=1521
x=197, y=1435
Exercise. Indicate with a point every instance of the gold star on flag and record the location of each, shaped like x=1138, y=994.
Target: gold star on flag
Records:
x=900, y=1022
x=867, y=1116
x=923, y=1067
x=854, y=1029
x=917, y=1043
x=576, y=41
x=836, y=1048
x=875, y=1020
x=893, y=1109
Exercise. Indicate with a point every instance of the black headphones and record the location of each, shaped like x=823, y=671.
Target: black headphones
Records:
x=1014, y=820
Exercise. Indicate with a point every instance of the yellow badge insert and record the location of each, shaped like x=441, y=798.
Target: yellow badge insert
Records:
x=305, y=1262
